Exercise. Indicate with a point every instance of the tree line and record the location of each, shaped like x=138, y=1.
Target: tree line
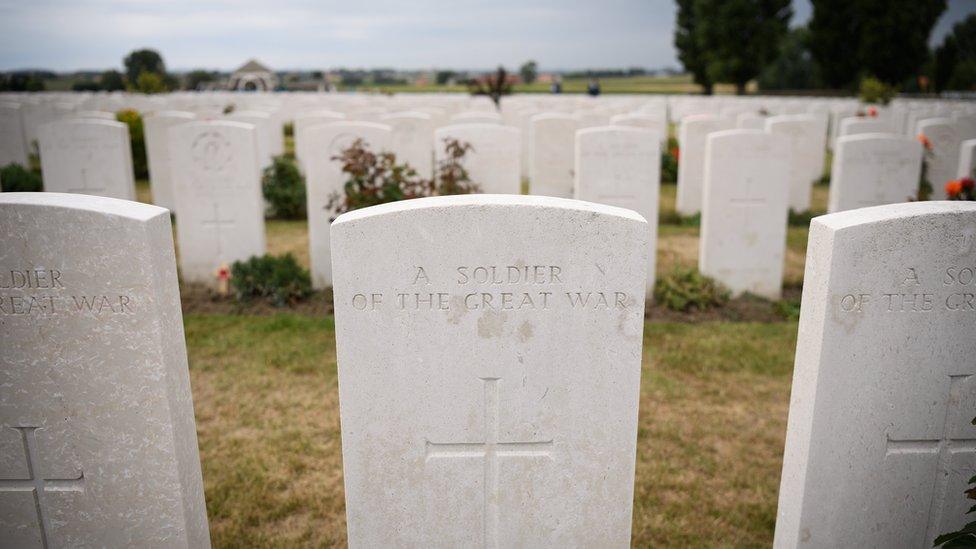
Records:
x=844, y=43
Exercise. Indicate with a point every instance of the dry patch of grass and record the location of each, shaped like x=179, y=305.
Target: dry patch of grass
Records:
x=714, y=400
x=288, y=237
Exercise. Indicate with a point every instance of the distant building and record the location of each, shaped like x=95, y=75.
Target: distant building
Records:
x=253, y=76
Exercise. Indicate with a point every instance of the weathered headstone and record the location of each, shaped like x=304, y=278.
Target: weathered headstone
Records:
x=412, y=140
x=13, y=148
x=854, y=125
x=307, y=120
x=98, y=446
x=691, y=164
x=324, y=177
x=643, y=120
x=942, y=161
x=493, y=161
x=156, y=131
x=87, y=156
x=744, y=211
x=499, y=407
x=553, y=140
x=476, y=117
x=874, y=169
x=621, y=166
x=264, y=131
x=967, y=158
x=750, y=121
x=879, y=444
x=803, y=135
x=217, y=187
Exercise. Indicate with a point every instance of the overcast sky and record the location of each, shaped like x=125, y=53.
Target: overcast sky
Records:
x=67, y=35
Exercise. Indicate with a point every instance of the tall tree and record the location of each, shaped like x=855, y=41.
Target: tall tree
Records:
x=955, y=59
x=145, y=60
x=740, y=37
x=834, y=28
x=528, y=71
x=793, y=68
x=686, y=41
x=112, y=80
x=894, y=36
x=886, y=39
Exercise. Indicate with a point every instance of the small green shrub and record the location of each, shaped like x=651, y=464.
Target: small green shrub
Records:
x=284, y=189
x=686, y=289
x=278, y=279
x=15, y=178
x=669, y=162
x=289, y=129
x=132, y=119
x=876, y=91
x=789, y=309
x=800, y=219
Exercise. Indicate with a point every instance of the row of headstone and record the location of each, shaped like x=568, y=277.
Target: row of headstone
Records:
x=525, y=320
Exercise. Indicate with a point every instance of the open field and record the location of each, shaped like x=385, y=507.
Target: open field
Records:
x=679, y=84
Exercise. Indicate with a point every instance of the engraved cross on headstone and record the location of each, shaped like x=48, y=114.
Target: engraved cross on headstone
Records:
x=218, y=223
x=37, y=484
x=945, y=447
x=490, y=450
x=86, y=184
x=750, y=196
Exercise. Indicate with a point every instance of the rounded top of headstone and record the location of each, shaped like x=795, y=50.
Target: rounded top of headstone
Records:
x=487, y=200
x=890, y=212
x=98, y=204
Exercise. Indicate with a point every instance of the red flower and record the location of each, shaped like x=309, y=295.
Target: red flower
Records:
x=223, y=273
x=872, y=111
x=967, y=183
x=953, y=188
x=676, y=153
x=925, y=141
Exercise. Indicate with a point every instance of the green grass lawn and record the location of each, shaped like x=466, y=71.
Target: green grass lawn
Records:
x=714, y=400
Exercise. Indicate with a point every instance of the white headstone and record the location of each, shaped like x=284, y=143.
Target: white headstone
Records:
x=476, y=117
x=217, y=186
x=499, y=407
x=967, y=158
x=691, y=164
x=264, y=131
x=854, y=125
x=98, y=446
x=13, y=148
x=324, y=177
x=308, y=120
x=874, y=169
x=412, y=140
x=621, y=166
x=493, y=162
x=553, y=140
x=804, y=136
x=87, y=156
x=750, y=121
x=156, y=133
x=879, y=444
x=648, y=121
x=943, y=160
x=744, y=211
